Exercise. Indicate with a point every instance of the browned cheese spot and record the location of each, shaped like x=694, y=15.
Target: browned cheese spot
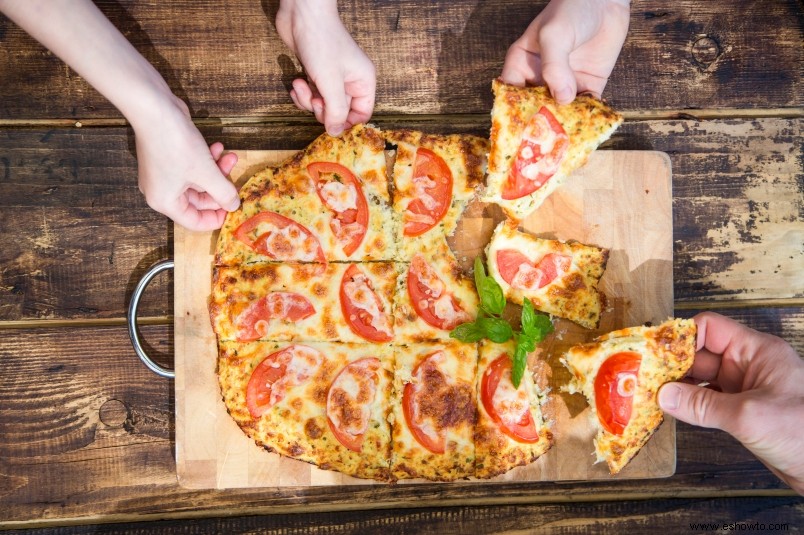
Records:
x=448, y=405
x=312, y=429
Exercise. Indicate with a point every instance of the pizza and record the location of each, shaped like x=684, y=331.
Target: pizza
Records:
x=513, y=426
x=328, y=202
x=536, y=143
x=620, y=374
x=334, y=292
x=434, y=178
x=559, y=278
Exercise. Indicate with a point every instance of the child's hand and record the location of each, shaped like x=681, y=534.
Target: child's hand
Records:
x=342, y=80
x=757, y=395
x=179, y=175
x=571, y=46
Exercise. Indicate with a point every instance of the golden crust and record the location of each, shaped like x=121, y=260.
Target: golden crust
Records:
x=587, y=121
x=574, y=295
x=667, y=352
x=465, y=155
x=495, y=451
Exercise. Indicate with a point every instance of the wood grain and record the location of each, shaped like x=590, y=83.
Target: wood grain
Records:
x=431, y=58
x=637, y=517
x=738, y=198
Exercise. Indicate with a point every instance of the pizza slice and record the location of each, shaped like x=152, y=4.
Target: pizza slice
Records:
x=559, y=278
x=304, y=302
x=433, y=411
x=432, y=297
x=322, y=403
x=328, y=202
x=512, y=428
x=536, y=143
x=620, y=374
x=434, y=179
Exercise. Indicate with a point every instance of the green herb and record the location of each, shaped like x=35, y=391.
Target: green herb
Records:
x=490, y=325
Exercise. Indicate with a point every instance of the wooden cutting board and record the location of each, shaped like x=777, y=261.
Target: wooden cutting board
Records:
x=620, y=200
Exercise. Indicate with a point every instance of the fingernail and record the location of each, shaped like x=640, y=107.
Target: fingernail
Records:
x=233, y=205
x=335, y=130
x=564, y=95
x=669, y=397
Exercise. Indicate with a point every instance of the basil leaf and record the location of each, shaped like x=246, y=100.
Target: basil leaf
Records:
x=528, y=318
x=468, y=332
x=528, y=343
x=496, y=329
x=520, y=362
x=491, y=295
x=542, y=327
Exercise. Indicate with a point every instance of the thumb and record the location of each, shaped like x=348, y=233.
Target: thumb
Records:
x=336, y=106
x=698, y=405
x=221, y=189
x=556, y=69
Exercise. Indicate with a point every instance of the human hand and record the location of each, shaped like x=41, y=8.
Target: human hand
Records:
x=757, y=393
x=179, y=175
x=342, y=79
x=571, y=46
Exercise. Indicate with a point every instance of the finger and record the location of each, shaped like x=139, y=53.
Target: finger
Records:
x=227, y=162
x=361, y=110
x=699, y=406
x=590, y=84
x=716, y=332
x=521, y=67
x=706, y=366
x=318, y=109
x=200, y=220
x=220, y=189
x=216, y=149
x=335, y=105
x=555, y=49
x=303, y=94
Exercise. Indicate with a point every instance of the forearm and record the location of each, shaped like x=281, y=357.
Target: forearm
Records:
x=78, y=33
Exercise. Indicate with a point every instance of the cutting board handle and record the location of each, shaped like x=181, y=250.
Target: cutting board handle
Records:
x=131, y=319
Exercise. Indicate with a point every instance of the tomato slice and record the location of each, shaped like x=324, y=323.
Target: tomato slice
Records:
x=362, y=308
x=415, y=395
x=543, y=146
x=277, y=373
x=507, y=406
x=252, y=322
x=280, y=238
x=349, y=401
x=519, y=272
x=342, y=193
x=432, y=193
x=430, y=299
x=615, y=385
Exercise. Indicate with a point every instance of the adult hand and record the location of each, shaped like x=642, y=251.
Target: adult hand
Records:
x=341, y=78
x=179, y=175
x=757, y=394
x=571, y=46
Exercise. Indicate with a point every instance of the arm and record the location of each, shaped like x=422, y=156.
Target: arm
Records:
x=177, y=171
x=571, y=46
x=757, y=395
x=342, y=80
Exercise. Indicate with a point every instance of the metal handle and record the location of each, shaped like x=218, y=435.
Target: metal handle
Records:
x=132, y=319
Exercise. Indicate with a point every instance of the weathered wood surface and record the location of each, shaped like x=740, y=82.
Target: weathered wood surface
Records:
x=87, y=432
x=748, y=515
x=431, y=58
x=84, y=235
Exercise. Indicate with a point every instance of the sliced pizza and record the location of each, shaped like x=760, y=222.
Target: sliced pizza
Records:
x=322, y=403
x=329, y=202
x=432, y=297
x=512, y=428
x=305, y=302
x=559, y=278
x=620, y=374
x=433, y=411
x=536, y=143
x=434, y=178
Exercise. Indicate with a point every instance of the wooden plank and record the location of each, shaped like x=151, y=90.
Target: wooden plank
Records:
x=738, y=204
x=751, y=515
x=430, y=58
x=95, y=442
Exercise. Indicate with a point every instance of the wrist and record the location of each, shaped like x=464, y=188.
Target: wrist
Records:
x=296, y=18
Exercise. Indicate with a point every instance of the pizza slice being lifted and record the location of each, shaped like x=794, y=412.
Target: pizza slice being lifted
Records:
x=536, y=143
x=620, y=374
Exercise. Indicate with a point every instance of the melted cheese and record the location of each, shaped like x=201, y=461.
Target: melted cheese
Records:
x=510, y=403
x=359, y=292
x=301, y=363
x=352, y=393
x=339, y=196
x=288, y=243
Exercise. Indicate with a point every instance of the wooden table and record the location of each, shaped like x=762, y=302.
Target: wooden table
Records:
x=87, y=432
